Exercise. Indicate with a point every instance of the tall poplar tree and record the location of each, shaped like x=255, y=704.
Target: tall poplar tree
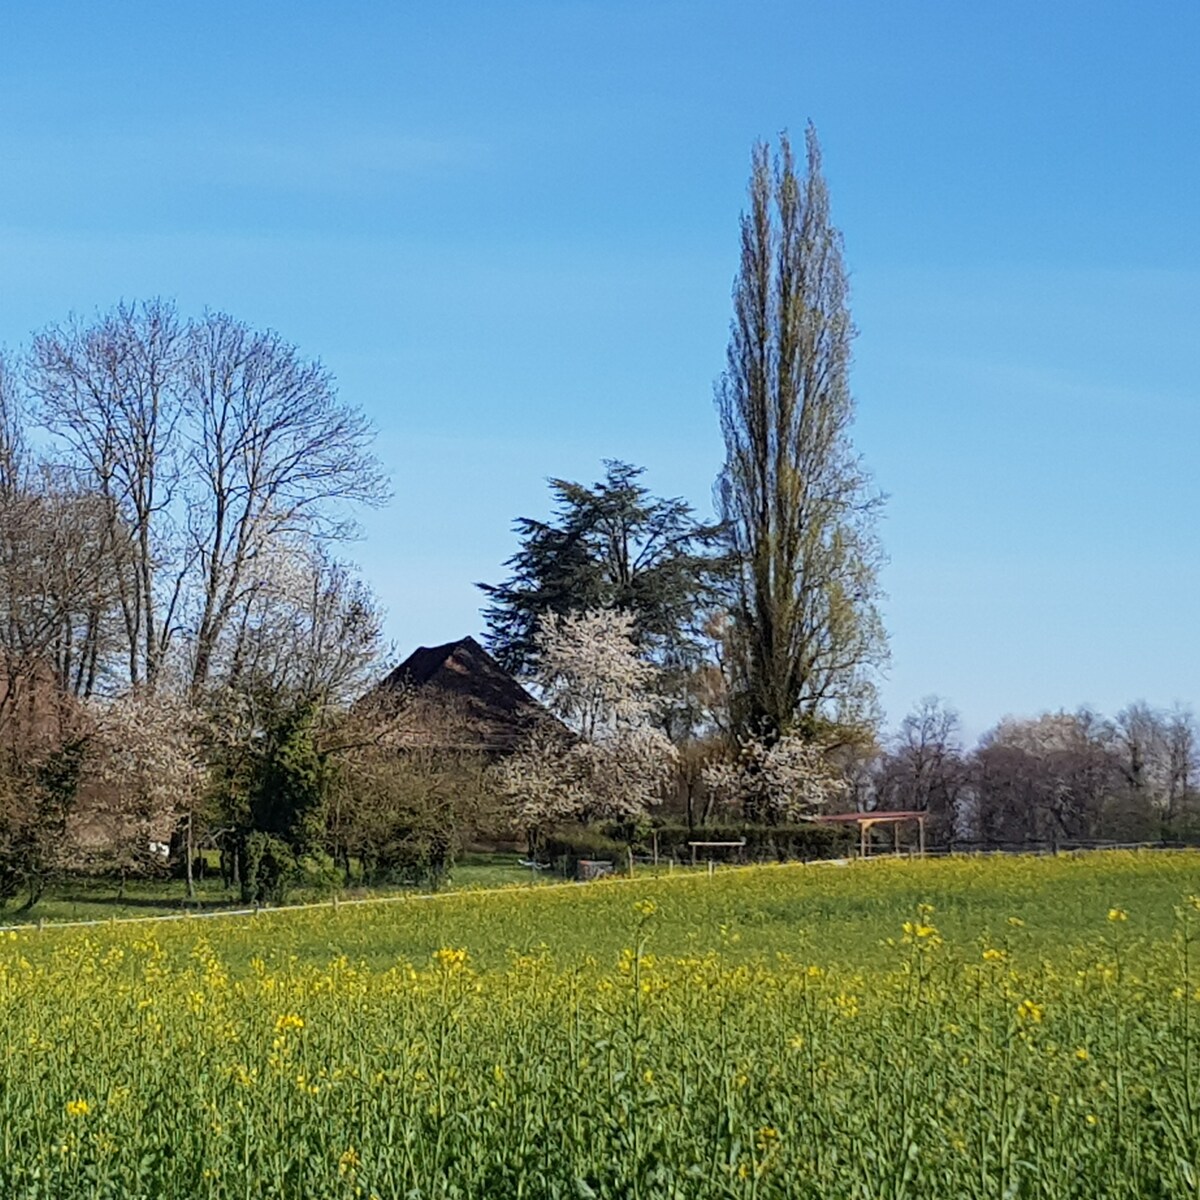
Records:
x=797, y=504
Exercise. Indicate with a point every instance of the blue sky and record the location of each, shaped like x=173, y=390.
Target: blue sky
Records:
x=510, y=231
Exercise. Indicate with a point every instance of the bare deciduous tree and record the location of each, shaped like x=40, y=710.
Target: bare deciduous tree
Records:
x=110, y=393
x=1181, y=753
x=1049, y=779
x=273, y=457
x=924, y=767
x=214, y=450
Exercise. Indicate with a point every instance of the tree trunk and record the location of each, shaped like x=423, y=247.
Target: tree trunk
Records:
x=190, y=851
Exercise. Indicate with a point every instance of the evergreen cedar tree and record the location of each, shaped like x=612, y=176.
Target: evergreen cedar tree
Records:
x=609, y=546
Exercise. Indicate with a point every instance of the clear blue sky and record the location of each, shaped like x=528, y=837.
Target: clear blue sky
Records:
x=510, y=231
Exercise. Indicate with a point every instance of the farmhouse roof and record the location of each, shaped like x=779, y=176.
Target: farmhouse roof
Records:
x=485, y=707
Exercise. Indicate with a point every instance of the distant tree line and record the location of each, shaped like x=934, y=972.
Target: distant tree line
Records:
x=1055, y=779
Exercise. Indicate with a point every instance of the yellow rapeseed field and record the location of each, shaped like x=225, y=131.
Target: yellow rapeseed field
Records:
x=960, y=1028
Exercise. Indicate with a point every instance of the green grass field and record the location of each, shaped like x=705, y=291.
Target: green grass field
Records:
x=104, y=898
x=960, y=1028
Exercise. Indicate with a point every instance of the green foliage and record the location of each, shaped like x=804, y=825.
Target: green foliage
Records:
x=567, y=844
x=271, y=785
x=764, y=843
x=611, y=545
x=269, y=868
x=36, y=800
x=288, y=796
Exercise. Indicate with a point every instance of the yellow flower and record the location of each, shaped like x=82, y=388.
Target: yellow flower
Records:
x=991, y=955
x=645, y=908
x=1028, y=1011
x=918, y=929
x=78, y=1108
x=288, y=1021
x=766, y=1137
x=348, y=1161
x=1016, y=922
x=450, y=959
x=1092, y=1119
x=1117, y=914
x=1082, y=1054
x=847, y=1004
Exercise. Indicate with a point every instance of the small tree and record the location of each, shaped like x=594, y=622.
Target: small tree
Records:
x=618, y=761
x=401, y=814
x=287, y=805
x=148, y=775
x=924, y=767
x=774, y=782
x=38, y=793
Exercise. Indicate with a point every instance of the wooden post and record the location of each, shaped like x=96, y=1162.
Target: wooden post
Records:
x=921, y=834
x=896, y=838
x=711, y=868
x=862, y=838
x=654, y=835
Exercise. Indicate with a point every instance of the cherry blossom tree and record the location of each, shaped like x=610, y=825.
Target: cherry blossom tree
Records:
x=783, y=781
x=146, y=773
x=608, y=759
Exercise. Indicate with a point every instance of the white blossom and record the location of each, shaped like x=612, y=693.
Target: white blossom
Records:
x=618, y=762
x=787, y=780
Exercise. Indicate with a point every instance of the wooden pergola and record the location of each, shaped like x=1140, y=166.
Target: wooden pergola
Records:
x=867, y=820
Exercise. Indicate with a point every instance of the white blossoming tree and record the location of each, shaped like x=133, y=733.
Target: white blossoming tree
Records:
x=608, y=759
x=147, y=774
x=788, y=780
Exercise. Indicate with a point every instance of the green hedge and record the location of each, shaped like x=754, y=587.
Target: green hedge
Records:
x=764, y=843
x=566, y=845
